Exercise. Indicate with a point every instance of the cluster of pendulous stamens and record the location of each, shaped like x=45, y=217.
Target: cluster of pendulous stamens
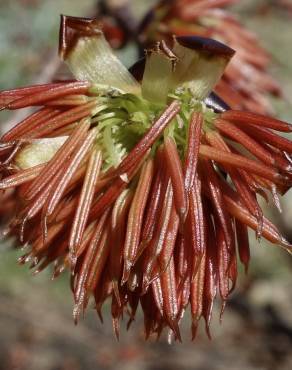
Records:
x=165, y=226
x=145, y=195
x=246, y=81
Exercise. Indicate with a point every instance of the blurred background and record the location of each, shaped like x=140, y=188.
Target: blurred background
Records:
x=36, y=326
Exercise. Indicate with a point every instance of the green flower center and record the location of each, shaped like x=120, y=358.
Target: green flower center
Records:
x=123, y=119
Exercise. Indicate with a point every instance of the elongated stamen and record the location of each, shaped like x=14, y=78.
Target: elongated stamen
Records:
x=111, y=194
x=242, y=186
x=239, y=212
x=224, y=261
x=239, y=136
x=169, y=242
x=117, y=235
x=85, y=200
x=80, y=291
x=158, y=296
x=57, y=161
x=241, y=162
x=218, y=202
x=159, y=235
x=169, y=295
x=29, y=123
x=256, y=119
x=152, y=212
x=68, y=100
x=28, y=90
x=34, y=207
x=38, y=98
x=174, y=167
x=70, y=116
x=135, y=217
x=195, y=226
x=21, y=177
x=243, y=244
x=196, y=298
x=69, y=172
x=268, y=136
x=192, y=154
x=149, y=138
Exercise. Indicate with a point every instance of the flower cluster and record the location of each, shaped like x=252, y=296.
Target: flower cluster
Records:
x=246, y=82
x=144, y=190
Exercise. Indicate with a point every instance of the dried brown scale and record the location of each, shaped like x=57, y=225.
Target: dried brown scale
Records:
x=70, y=30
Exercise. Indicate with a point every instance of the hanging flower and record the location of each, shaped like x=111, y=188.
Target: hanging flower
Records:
x=143, y=189
x=246, y=83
